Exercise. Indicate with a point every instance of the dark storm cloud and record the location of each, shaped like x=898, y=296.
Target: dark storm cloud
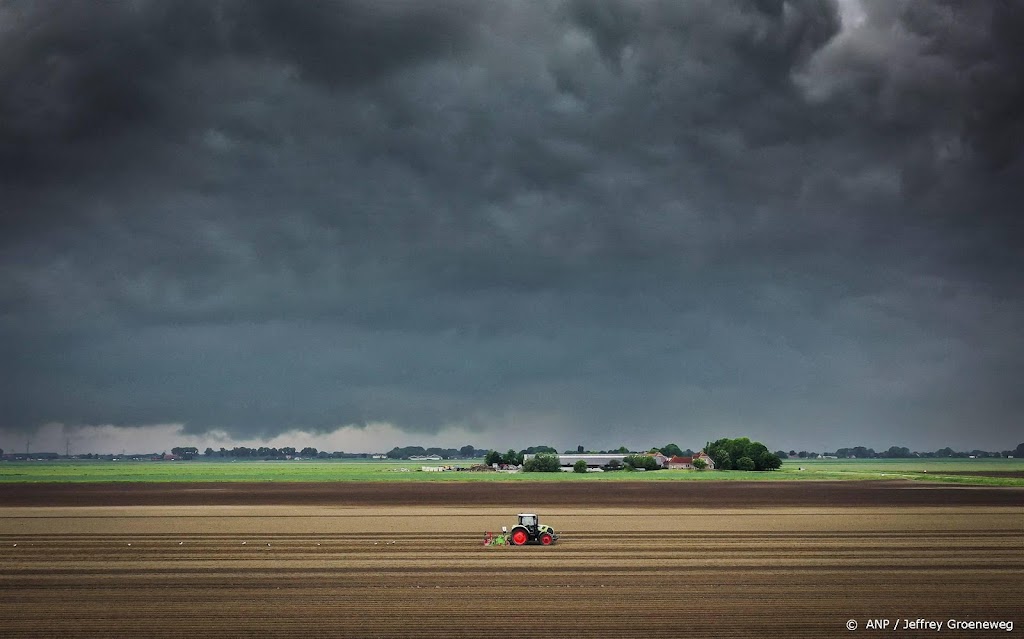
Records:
x=634, y=221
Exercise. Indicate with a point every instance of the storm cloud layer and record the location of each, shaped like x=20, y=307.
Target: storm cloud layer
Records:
x=603, y=222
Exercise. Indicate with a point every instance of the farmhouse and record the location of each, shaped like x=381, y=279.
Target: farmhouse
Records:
x=686, y=463
x=658, y=457
x=680, y=463
x=710, y=463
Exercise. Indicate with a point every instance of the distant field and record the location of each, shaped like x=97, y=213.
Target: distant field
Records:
x=992, y=472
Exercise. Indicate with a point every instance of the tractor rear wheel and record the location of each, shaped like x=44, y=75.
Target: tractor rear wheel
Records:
x=519, y=537
x=546, y=539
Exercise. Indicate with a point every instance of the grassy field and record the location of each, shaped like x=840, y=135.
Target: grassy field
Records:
x=992, y=472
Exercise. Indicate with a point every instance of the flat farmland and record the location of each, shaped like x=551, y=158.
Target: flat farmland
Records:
x=725, y=561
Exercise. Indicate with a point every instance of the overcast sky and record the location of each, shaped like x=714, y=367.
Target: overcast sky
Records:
x=371, y=223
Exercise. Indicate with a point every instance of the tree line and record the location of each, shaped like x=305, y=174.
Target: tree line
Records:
x=516, y=457
x=902, y=452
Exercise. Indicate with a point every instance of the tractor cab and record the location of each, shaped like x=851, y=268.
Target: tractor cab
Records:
x=528, y=521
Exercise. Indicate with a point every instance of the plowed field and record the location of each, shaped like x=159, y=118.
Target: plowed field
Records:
x=421, y=571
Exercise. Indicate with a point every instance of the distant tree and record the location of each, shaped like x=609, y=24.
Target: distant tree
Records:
x=745, y=463
x=406, y=452
x=492, y=457
x=641, y=461
x=621, y=450
x=308, y=451
x=1019, y=451
x=792, y=453
x=727, y=454
x=512, y=458
x=802, y=454
x=543, y=463
x=185, y=451
x=897, y=452
x=768, y=461
x=613, y=465
x=700, y=464
x=579, y=449
x=533, y=450
x=467, y=452
x=672, y=450
x=859, y=452
x=209, y=452
x=579, y=467
x=721, y=458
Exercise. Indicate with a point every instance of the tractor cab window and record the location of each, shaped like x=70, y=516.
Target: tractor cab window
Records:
x=529, y=521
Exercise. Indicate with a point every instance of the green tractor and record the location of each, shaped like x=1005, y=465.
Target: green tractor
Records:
x=529, y=530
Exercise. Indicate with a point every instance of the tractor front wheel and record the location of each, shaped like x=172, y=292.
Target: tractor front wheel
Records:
x=519, y=537
x=546, y=539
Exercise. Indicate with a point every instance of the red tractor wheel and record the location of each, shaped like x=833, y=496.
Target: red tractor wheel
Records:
x=546, y=539
x=519, y=537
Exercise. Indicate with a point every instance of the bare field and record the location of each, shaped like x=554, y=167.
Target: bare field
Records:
x=421, y=571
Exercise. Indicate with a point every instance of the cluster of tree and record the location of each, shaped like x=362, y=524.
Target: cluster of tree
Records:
x=510, y=458
x=533, y=450
x=902, y=452
x=513, y=458
x=244, y=452
x=545, y=463
x=802, y=454
x=266, y=453
x=742, y=454
x=646, y=462
x=621, y=450
x=405, y=452
x=30, y=456
x=669, y=450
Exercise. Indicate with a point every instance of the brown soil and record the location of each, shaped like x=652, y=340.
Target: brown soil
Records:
x=696, y=494
x=644, y=559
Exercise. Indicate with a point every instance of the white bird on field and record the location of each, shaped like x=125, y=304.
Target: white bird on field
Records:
x=181, y=543
x=129, y=543
x=243, y=543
